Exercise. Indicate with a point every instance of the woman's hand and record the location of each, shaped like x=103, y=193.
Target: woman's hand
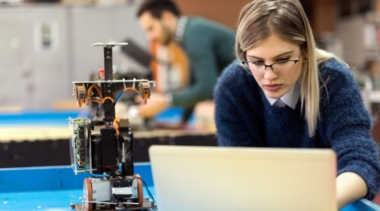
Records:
x=349, y=188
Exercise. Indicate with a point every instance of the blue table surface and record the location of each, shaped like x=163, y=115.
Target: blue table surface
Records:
x=49, y=117
x=54, y=188
x=49, y=188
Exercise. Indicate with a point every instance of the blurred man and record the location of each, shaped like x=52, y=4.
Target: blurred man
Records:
x=208, y=45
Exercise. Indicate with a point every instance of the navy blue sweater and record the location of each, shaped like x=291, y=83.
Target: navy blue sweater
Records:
x=244, y=117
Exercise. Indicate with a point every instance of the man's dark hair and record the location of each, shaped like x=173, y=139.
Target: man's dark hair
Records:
x=156, y=7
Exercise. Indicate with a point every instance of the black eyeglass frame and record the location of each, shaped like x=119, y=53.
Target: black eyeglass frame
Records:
x=246, y=65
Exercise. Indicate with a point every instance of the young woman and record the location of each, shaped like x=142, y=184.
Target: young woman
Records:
x=285, y=92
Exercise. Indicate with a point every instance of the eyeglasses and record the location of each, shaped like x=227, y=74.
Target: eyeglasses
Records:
x=280, y=67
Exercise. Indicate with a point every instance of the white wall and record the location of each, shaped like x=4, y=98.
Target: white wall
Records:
x=35, y=79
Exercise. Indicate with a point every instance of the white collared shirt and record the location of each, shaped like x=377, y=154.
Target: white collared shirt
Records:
x=290, y=98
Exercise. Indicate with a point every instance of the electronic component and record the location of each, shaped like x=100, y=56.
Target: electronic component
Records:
x=103, y=147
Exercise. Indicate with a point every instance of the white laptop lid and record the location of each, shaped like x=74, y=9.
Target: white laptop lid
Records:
x=224, y=178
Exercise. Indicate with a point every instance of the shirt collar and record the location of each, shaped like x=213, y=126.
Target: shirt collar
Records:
x=290, y=98
x=180, y=30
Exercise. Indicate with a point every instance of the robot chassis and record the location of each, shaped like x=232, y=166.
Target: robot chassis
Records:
x=104, y=147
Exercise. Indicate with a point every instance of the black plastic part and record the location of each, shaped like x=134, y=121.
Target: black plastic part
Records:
x=109, y=147
x=108, y=89
x=109, y=112
x=108, y=75
x=96, y=154
x=128, y=169
x=122, y=183
x=97, y=123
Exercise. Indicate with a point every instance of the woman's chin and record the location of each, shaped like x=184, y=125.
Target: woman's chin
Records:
x=275, y=95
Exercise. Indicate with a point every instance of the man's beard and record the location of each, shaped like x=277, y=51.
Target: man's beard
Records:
x=168, y=36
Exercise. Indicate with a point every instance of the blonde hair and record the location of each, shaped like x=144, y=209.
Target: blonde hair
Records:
x=287, y=19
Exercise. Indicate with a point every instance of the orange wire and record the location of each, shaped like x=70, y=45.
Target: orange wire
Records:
x=131, y=89
x=89, y=93
x=101, y=96
x=116, y=125
x=108, y=98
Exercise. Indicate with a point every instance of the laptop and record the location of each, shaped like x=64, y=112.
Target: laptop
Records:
x=190, y=178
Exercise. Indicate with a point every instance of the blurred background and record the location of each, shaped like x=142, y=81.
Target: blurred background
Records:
x=46, y=44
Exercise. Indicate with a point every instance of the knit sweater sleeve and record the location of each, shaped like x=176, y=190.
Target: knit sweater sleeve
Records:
x=348, y=125
x=204, y=69
x=231, y=130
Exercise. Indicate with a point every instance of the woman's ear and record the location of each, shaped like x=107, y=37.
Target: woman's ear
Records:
x=305, y=55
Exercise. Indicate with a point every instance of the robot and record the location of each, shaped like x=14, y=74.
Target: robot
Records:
x=103, y=147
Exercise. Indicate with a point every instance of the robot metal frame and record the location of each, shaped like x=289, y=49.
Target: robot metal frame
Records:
x=103, y=147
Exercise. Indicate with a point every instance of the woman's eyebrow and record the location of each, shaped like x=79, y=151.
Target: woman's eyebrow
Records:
x=255, y=57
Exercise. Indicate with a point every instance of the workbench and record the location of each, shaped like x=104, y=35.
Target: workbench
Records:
x=40, y=138
x=55, y=188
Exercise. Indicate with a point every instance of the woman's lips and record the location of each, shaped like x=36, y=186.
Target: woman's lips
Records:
x=272, y=87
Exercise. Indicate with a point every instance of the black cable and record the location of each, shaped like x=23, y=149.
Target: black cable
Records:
x=97, y=111
x=147, y=189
